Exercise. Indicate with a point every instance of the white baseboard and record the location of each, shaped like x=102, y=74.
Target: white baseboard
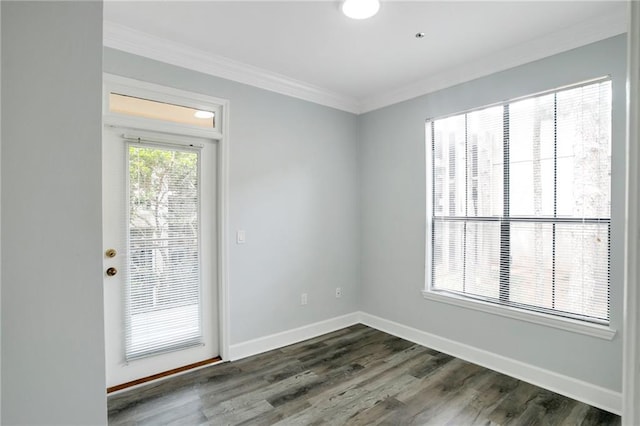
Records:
x=573, y=388
x=289, y=337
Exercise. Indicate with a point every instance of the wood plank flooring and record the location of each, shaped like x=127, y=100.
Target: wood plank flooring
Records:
x=354, y=376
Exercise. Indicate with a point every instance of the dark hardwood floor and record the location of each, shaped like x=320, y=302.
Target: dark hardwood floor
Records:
x=354, y=376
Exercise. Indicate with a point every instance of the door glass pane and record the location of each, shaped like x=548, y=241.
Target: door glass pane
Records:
x=163, y=284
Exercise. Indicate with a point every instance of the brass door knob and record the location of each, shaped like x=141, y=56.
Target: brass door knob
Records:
x=112, y=271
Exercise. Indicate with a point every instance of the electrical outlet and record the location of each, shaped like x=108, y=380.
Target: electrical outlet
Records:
x=338, y=292
x=303, y=299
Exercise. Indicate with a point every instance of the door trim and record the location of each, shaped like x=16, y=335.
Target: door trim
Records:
x=631, y=336
x=128, y=86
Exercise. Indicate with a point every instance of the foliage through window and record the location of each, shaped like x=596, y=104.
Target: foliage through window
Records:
x=520, y=203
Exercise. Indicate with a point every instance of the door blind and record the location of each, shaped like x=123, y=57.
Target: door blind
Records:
x=163, y=311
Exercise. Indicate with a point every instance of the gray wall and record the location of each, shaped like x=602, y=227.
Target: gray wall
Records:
x=293, y=188
x=392, y=150
x=52, y=322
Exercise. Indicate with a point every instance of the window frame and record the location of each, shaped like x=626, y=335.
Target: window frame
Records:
x=601, y=330
x=154, y=93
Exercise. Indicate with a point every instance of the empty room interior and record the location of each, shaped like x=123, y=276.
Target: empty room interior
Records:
x=319, y=212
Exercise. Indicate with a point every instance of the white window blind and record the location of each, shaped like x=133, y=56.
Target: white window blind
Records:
x=163, y=282
x=520, y=203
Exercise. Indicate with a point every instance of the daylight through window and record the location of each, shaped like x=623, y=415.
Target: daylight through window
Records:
x=520, y=203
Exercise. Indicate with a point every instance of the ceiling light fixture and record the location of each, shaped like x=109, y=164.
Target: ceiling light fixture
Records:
x=360, y=9
x=203, y=114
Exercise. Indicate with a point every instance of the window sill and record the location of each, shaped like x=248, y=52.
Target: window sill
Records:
x=567, y=324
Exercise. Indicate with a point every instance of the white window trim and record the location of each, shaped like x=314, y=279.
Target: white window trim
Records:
x=566, y=324
x=220, y=133
x=605, y=332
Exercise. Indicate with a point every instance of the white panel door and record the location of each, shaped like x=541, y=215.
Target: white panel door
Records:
x=159, y=218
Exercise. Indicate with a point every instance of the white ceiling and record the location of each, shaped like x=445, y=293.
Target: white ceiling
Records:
x=308, y=49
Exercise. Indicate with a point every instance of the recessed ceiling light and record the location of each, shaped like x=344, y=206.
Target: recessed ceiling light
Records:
x=203, y=114
x=360, y=9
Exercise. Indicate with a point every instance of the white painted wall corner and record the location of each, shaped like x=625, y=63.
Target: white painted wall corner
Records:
x=631, y=358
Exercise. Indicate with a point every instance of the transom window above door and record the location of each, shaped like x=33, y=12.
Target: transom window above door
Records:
x=172, y=111
x=139, y=107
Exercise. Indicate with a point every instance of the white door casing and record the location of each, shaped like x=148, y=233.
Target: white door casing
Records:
x=213, y=188
x=631, y=353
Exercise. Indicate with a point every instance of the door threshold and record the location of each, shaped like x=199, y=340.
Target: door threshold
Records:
x=163, y=374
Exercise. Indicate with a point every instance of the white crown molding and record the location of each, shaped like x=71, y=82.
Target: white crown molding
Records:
x=597, y=29
x=132, y=41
